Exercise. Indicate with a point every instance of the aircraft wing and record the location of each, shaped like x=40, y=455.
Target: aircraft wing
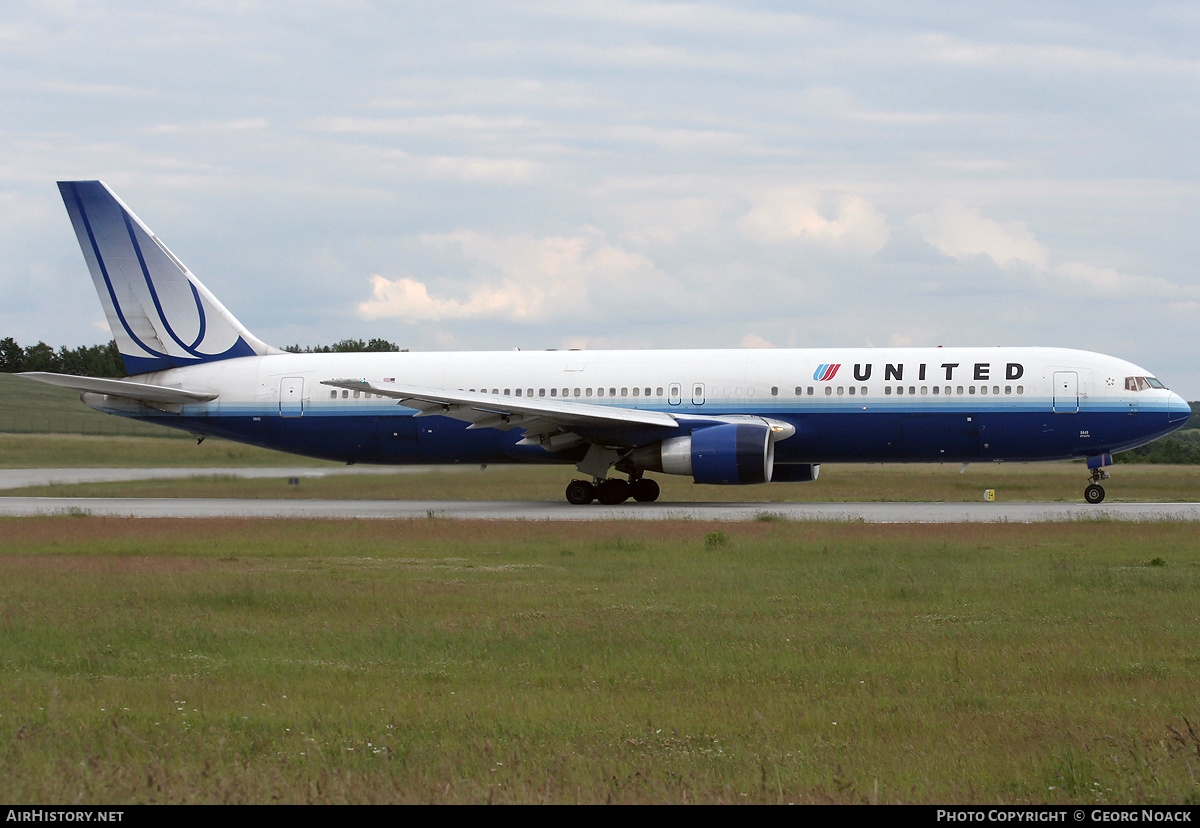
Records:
x=139, y=391
x=551, y=423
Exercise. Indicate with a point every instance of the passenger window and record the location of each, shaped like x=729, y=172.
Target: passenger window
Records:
x=624, y=391
x=936, y=389
x=541, y=392
x=983, y=389
x=774, y=390
x=887, y=390
x=553, y=392
x=345, y=394
x=960, y=390
x=899, y=389
x=828, y=391
x=659, y=392
x=333, y=394
x=924, y=390
x=852, y=390
x=840, y=390
x=971, y=390
x=1020, y=389
x=864, y=390
x=635, y=391
x=995, y=389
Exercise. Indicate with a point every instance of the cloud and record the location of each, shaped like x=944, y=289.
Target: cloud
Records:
x=237, y=125
x=841, y=222
x=963, y=232
x=515, y=278
x=755, y=341
x=1112, y=283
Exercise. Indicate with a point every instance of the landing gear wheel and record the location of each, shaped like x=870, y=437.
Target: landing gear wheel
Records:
x=580, y=492
x=644, y=490
x=1094, y=493
x=612, y=491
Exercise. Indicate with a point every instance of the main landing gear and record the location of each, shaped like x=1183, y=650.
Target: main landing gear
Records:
x=1094, y=493
x=612, y=490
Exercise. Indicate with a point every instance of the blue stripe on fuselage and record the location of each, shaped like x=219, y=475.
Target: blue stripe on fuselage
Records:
x=386, y=433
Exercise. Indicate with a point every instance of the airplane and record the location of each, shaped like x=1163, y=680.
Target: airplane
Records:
x=725, y=417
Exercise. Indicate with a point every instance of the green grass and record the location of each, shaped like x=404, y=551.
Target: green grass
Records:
x=33, y=407
x=440, y=661
x=32, y=451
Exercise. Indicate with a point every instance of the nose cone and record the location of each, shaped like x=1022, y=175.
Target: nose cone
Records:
x=1178, y=411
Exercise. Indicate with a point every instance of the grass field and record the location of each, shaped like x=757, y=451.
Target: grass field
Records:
x=174, y=661
x=439, y=661
x=33, y=407
x=1042, y=482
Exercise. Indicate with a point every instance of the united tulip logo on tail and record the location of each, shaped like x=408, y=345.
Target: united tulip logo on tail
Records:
x=826, y=371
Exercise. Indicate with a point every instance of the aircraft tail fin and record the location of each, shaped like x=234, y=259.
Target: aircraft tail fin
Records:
x=161, y=316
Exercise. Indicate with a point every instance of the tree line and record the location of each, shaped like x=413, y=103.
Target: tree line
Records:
x=105, y=360
x=86, y=360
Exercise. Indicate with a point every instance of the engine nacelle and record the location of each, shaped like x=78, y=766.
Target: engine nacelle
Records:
x=795, y=472
x=730, y=454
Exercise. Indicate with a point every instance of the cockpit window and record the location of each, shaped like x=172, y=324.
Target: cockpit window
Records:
x=1142, y=383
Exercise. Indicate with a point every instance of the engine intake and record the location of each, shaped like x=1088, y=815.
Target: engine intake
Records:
x=728, y=454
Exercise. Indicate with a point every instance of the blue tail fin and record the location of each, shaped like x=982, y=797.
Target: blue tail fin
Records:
x=160, y=315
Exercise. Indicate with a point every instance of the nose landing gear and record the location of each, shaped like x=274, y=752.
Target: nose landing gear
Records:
x=1094, y=493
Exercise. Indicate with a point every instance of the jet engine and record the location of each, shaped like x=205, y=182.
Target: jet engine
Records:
x=730, y=453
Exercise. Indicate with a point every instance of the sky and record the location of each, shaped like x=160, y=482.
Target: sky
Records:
x=482, y=175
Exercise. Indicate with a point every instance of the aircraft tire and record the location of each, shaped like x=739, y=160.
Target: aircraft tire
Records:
x=580, y=492
x=1094, y=493
x=644, y=490
x=612, y=491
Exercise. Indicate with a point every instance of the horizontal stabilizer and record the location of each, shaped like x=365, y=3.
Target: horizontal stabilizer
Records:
x=139, y=391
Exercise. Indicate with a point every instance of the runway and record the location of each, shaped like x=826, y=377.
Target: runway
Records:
x=892, y=512
x=547, y=511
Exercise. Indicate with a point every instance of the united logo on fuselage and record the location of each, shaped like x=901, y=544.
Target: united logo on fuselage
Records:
x=826, y=371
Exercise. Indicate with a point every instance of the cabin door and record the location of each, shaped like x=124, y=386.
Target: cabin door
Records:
x=291, y=397
x=1066, y=392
